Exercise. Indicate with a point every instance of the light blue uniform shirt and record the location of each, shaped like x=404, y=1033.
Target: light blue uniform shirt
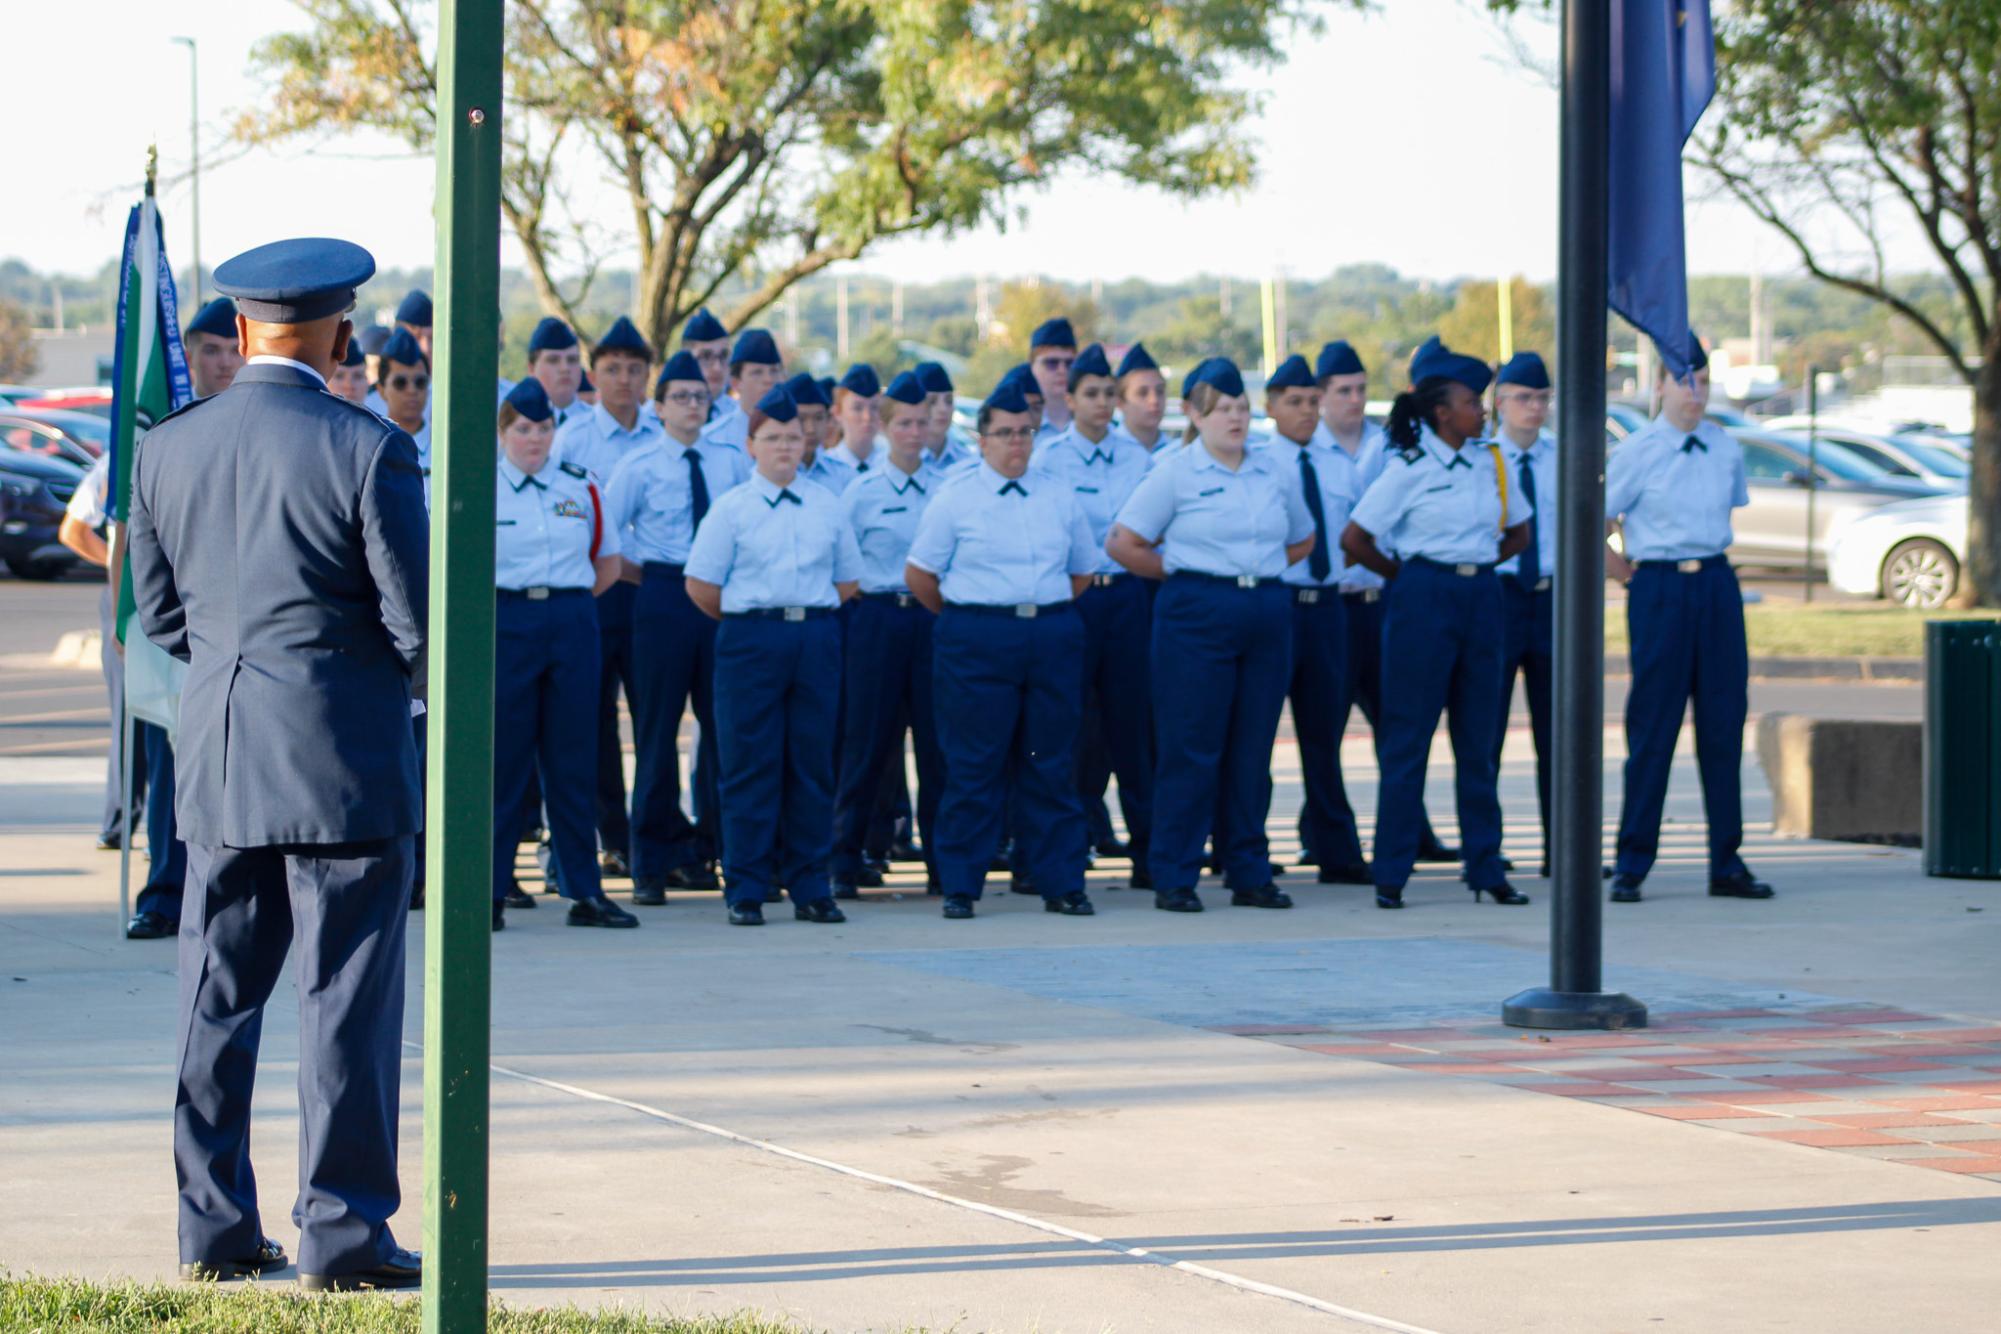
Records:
x=547, y=526
x=1213, y=520
x=831, y=473
x=1440, y=503
x=1541, y=460
x=1675, y=501
x=949, y=455
x=1367, y=462
x=729, y=429
x=847, y=457
x=650, y=503
x=1102, y=477
x=768, y=546
x=883, y=509
x=997, y=543
x=1335, y=473
x=594, y=440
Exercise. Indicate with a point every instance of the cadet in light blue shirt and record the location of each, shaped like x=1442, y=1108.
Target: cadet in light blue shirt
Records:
x=1101, y=467
x=403, y=388
x=772, y=561
x=1440, y=505
x=598, y=438
x=1219, y=522
x=1142, y=398
x=1522, y=396
x=755, y=369
x=1671, y=487
x=1051, y=349
x=941, y=451
x=556, y=359
x=999, y=555
x=858, y=417
x=816, y=422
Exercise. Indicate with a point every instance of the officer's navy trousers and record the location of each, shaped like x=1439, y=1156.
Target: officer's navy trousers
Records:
x=545, y=678
x=1222, y=656
x=1441, y=652
x=674, y=665
x=341, y=907
x=167, y=868
x=1118, y=702
x=615, y=673
x=886, y=683
x=1687, y=633
x=775, y=727
x=1006, y=694
x=1319, y=694
x=1528, y=650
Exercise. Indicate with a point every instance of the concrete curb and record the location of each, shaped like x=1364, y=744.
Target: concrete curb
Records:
x=1872, y=670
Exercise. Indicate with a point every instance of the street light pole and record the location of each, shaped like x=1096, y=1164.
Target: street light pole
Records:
x=194, y=161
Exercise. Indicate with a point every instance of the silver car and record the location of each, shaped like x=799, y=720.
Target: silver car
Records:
x=1771, y=530
x=1897, y=455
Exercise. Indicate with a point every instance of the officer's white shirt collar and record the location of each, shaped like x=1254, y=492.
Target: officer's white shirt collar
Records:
x=271, y=359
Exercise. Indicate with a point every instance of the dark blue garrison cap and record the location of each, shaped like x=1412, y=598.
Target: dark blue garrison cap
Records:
x=623, y=336
x=1007, y=396
x=551, y=335
x=218, y=317
x=373, y=339
x=703, y=327
x=1435, y=361
x=862, y=379
x=934, y=378
x=415, y=308
x=1136, y=359
x=1195, y=374
x=1091, y=361
x=1292, y=373
x=826, y=383
x=531, y=400
x=356, y=355
x=681, y=366
x=1337, y=358
x=756, y=346
x=1053, y=333
x=297, y=281
x=584, y=385
x=1525, y=369
x=806, y=391
x=402, y=348
x=906, y=389
x=779, y=405
x=1022, y=378
x=1221, y=374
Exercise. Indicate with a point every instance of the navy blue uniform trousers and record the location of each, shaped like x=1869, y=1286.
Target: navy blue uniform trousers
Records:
x=1319, y=694
x=1222, y=656
x=545, y=679
x=886, y=684
x=1528, y=650
x=1362, y=678
x=342, y=907
x=167, y=856
x=674, y=665
x=1006, y=694
x=1118, y=705
x=615, y=673
x=1441, y=652
x=775, y=729
x=1687, y=633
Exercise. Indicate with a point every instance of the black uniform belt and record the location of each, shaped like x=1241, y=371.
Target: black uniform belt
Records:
x=1240, y=580
x=779, y=614
x=1464, y=569
x=1107, y=580
x=1686, y=566
x=1363, y=594
x=541, y=593
x=893, y=599
x=1313, y=597
x=1026, y=611
x=662, y=567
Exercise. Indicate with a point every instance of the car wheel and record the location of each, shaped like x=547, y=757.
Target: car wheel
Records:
x=1920, y=573
x=40, y=570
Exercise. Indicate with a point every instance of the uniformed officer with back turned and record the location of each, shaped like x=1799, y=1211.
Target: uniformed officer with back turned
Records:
x=279, y=548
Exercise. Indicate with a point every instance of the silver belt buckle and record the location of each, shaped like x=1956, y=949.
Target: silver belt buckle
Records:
x=795, y=613
x=537, y=594
x=1542, y=585
x=1247, y=581
x=906, y=599
x=1688, y=566
x=1372, y=595
x=1465, y=571
x=1027, y=611
x=1308, y=596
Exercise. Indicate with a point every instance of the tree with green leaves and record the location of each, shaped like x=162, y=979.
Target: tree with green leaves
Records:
x=776, y=137
x=18, y=357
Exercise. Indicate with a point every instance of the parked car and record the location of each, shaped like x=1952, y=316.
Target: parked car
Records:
x=1897, y=455
x=84, y=436
x=34, y=491
x=95, y=402
x=25, y=435
x=1771, y=530
x=1622, y=419
x=1909, y=551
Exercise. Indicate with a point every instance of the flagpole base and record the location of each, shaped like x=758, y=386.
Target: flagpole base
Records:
x=1544, y=1007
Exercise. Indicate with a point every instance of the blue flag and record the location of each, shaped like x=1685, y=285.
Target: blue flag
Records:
x=1663, y=75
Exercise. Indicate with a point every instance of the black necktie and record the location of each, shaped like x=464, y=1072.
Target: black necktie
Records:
x=1459, y=460
x=698, y=488
x=1694, y=442
x=1318, y=563
x=1528, y=570
x=786, y=494
x=1015, y=487
x=862, y=466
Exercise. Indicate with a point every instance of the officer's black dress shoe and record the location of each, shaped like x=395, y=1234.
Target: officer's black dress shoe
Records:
x=649, y=891
x=270, y=1258
x=1177, y=900
x=958, y=906
x=613, y=863
x=599, y=911
x=845, y=889
x=1502, y=893
x=818, y=910
x=695, y=875
x=869, y=877
x=150, y=926
x=1435, y=851
x=1112, y=846
x=1074, y=904
x=746, y=914
x=1625, y=889
x=1355, y=873
x=905, y=850
x=1264, y=896
x=403, y=1269
x=499, y=915
x=110, y=841
x=1739, y=885
x=518, y=897
x=1141, y=878
x=1389, y=898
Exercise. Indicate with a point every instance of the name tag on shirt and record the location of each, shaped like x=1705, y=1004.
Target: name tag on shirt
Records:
x=1214, y=491
x=503, y=523
x=896, y=509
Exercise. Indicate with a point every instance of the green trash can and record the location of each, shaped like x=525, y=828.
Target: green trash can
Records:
x=1963, y=749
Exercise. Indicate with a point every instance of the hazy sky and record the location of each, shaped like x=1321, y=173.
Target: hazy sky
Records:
x=1411, y=137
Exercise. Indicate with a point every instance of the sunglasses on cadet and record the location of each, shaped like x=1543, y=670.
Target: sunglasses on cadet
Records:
x=400, y=382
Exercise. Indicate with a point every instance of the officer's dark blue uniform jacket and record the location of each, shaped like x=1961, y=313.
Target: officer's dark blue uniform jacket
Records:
x=286, y=563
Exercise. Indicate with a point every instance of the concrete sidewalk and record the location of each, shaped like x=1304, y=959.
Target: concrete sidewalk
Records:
x=1138, y=1121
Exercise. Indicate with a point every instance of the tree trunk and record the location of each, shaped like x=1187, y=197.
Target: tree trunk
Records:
x=1980, y=582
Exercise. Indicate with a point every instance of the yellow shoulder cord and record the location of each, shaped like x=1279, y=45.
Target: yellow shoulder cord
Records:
x=1501, y=477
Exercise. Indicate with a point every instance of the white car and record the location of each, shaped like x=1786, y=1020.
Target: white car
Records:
x=1909, y=551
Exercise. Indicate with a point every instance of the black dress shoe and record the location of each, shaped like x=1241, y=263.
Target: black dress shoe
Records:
x=613, y=863
x=1022, y=883
x=818, y=910
x=519, y=898
x=1544, y=873
x=1625, y=889
x=1141, y=878
x=696, y=875
x=150, y=926
x=1355, y=873
x=868, y=877
x=1264, y=896
x=1435, y=851
x=1074, y=904
x=599, y=911
x=403, y=1269
x=746, y=914
x=270, y=1258
x=649, y=891
x=1389, y=898
x=1502, y=893
x=1112, y=846
x=1739, y=885
x=1177, y=900
x=499, y=915
x=958, y=906
x=904, y=850
x=844, y=889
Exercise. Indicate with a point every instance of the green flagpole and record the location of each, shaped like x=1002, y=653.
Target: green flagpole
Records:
x=459, y=821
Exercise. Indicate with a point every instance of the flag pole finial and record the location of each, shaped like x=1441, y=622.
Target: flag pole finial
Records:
x=152, y=167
